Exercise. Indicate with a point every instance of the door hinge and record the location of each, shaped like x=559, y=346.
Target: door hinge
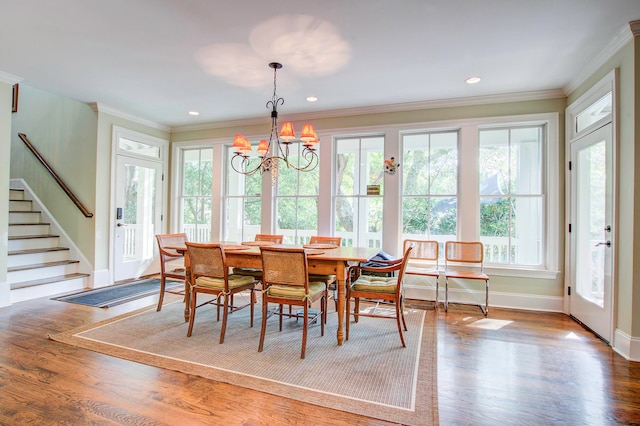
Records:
x=161, y=217
x=569, y=165
x=569, y=291
x=163, y=177
x=569, y=227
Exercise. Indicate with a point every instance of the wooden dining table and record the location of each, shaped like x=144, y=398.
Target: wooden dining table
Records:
x=330, y=261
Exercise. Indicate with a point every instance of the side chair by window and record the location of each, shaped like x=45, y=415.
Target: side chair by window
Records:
x=465, y=260
x=382, y=288
x=210, y=275
x=285, y=281
x=424, y=261
x=171, y=262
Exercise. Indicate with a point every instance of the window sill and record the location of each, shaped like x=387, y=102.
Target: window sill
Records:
x=521, y=272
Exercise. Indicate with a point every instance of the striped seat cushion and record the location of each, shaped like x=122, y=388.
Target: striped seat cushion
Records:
x=377, y=284
x=235, y=281
x=296, y=292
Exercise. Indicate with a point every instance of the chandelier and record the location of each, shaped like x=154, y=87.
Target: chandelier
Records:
x=280, y=142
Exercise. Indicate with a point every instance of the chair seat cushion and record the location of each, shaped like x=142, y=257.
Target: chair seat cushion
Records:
x=375, y=284
x=416, y=270
x=297, y=292
x=319, y=277
x=235, y=281
x=248, y=271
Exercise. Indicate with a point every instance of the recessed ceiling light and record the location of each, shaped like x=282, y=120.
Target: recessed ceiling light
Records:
x=194, y=113
x=473, y=80
x=312, y=99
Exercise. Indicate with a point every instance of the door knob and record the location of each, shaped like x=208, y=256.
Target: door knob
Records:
x=604, y=243
x=121, y=224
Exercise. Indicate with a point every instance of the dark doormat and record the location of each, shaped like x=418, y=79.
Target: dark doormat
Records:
x=118, y=294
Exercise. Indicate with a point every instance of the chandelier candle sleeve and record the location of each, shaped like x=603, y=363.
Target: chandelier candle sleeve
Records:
x=276, y=148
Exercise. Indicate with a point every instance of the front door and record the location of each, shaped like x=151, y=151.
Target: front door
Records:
x=138, y=216
x=591, y=233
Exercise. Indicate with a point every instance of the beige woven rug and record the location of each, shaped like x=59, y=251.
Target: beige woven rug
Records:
x=370, y=374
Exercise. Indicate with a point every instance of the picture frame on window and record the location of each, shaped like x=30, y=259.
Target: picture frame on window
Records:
x=14, y=104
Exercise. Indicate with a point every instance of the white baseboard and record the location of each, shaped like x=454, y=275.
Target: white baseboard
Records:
x=627, y=346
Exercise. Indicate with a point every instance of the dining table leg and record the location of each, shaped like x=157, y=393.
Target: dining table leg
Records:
x=340, y=286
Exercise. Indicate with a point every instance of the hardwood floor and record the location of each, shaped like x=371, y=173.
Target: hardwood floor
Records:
x=540, y=368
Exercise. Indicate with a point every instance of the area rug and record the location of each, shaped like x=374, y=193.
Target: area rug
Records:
x=121, y=293
x=371, y=374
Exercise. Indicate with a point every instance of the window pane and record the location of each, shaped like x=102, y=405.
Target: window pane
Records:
x=372, y=209
x=346, y=211
x=595, y=112
x=526, y=161
x=415, y=164
x=346, y=175
x=372, y=170
x=286, y=222
x=443, y=161
x=494, y=161
x=138, y=148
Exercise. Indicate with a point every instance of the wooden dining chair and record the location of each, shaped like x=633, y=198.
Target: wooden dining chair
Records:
x=210, y=275
x=285, y=281
x=257, y=273
x=465, y=260
x=379, y=288
x=330, y=280
x=171, y=262
x=424, y=261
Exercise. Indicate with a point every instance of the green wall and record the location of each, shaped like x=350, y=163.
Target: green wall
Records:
x=64, y=132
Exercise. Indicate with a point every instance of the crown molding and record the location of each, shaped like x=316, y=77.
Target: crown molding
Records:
x=622, y=37
x=111, y=111
x=5, y=77
x=385, y=109
x=634, y=26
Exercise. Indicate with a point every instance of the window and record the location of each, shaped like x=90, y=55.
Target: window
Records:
x=359, y=172
x=429, y=185
x=242, y=204
x=511, y=197
x=195, y=197
x=297, y=200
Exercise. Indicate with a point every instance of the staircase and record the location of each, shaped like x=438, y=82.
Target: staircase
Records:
x=37, y=265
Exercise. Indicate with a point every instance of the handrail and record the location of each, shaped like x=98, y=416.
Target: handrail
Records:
x=53, y=174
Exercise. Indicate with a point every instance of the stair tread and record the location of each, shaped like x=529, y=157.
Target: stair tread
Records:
x=37, y=250
x=24, y=211
x=48, y=280
x=30, y=237
x=27, y=223
x=41, y=265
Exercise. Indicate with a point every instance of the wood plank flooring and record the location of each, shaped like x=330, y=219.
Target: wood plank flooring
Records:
x=540, y=368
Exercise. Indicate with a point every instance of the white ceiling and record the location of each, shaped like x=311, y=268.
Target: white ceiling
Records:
x=158, y=59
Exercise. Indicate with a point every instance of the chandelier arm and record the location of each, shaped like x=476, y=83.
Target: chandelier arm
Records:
x=244, y=166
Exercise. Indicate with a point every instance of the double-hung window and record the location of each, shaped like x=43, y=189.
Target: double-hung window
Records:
x=296, y=199
x=359, y=168
x=430, y=185
x=195, y=196
x=511, y=194
x=242, y=204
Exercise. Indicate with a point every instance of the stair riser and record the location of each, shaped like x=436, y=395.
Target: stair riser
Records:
x=35, y=258
x=24, y=217
x=46, y=290
x=35, y=229
x=16, y=195
x=36, y=274
x=33, y=243
x=22, y=206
